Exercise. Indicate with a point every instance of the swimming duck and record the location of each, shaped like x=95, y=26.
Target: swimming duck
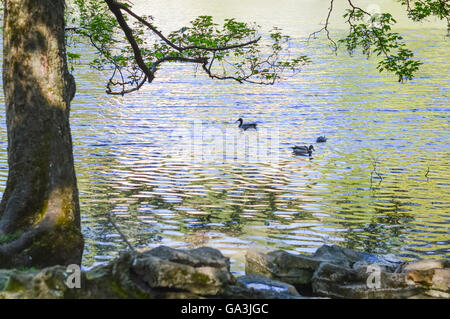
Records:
x=321, y=139
x=245, y=126
x=303, y=150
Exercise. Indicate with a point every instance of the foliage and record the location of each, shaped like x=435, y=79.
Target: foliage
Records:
x=420, y=10
x=233, y=51
x=91, y=19
x=377, y=37
x=372, y=34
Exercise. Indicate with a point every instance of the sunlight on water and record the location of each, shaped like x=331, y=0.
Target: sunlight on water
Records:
x=380, y=183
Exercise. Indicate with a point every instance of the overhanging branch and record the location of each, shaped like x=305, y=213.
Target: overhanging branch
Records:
x=115, y=9
x=255, y=67
x=173, y=45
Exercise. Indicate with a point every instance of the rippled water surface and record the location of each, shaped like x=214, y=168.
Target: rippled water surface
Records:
x=380, y=183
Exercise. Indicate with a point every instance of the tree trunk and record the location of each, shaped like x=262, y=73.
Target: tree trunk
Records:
x=39, y=211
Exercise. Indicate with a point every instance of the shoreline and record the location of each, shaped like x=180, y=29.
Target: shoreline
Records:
x=167, y=273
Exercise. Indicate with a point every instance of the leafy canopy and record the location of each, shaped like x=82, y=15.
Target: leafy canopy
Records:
x=372, y=34
x=134, y=48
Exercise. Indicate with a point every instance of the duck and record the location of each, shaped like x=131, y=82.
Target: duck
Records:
x=245, y=126
x=303, y=150
x=321, y=139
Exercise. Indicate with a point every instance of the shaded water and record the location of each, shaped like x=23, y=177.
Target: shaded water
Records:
x=380, y=183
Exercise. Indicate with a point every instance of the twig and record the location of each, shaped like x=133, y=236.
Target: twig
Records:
x=120, y=232
x=173, y=45
x=325, y=27
x=115, y=9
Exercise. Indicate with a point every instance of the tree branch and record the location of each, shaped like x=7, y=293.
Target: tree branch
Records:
x=177, y=47
x=325, y=27
x=180, y=59
x=357, y=8
x=115, y=9
x=135, y=61
x=125, y=91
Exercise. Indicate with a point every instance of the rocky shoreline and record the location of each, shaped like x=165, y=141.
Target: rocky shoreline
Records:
x=163, y=272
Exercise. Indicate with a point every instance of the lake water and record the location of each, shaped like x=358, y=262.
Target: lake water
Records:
x=380, y=184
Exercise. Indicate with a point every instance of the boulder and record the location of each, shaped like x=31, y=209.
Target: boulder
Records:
x=441, y=280
x=435, y=279
x=335, y=281
x=337, y=255
x=202, y=271
x=48, y=283
x=269, y=288
x=431, y=274
x=353, y=259
x=199, y=257
x=298, y=270
x=425, y=264
x=338, y=272
x=162, y=272
x=282, y=266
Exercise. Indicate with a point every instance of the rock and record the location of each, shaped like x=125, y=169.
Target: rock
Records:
x=299, y=269
x=422, y=277
x=48, y=283
x=337, y=255
x=163, y=272
x=201, y=271
x=336, y=281
x=441, y=280
x=271, y=289
x=114, y=280
x=199, y=257
x=282, y=266
x=352, y=259
x=437, y=294
x=431, y=274
x=425, y=265
x=360, y=265
x=435, y=279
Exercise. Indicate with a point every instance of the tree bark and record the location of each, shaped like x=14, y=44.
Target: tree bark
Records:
x=39, y=208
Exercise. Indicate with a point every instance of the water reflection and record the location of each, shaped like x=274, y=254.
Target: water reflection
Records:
x=380, y=183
